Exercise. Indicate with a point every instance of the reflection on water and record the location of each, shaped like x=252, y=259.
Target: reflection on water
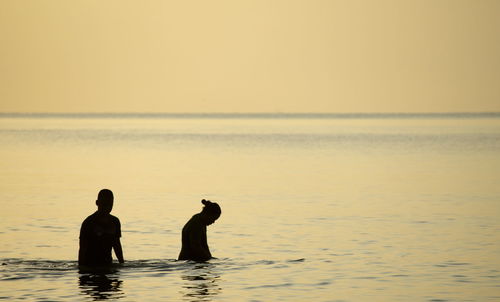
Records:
x=200, y=282
x=101, y=287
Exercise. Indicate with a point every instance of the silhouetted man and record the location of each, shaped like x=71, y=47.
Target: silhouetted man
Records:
x=100, y=233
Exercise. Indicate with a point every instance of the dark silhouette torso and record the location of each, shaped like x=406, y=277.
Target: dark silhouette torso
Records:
x=194, y=240
x=97, y=235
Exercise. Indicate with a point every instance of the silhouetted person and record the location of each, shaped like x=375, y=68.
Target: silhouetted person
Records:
x=100, y=233
x=194, y=233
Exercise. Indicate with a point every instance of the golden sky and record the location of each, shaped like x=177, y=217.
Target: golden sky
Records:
x=249, y=56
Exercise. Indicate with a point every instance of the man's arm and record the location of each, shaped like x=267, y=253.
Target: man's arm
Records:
x=82, y=251
x=84, y=244
x=117, y=246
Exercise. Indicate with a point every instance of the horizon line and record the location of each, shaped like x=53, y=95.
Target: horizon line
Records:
x=458, y=114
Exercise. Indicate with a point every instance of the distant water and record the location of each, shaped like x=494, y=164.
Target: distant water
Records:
x=315, y=207
x=446, y=115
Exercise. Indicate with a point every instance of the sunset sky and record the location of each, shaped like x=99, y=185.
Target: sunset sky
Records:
x=249, y=56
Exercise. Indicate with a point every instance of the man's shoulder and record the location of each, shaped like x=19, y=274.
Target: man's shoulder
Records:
x=115, y=219
x=89, y=219
x=92, y=219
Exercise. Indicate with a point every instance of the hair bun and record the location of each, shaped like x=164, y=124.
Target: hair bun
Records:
x=205, y=202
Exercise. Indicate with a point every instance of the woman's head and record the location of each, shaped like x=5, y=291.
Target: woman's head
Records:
x=211, y=211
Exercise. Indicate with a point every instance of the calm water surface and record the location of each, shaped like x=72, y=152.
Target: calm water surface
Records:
x=314, y=207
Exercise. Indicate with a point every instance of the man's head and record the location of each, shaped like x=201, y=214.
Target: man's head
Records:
x=104, y=201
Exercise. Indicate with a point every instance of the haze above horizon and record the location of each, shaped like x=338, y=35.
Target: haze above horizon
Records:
x=250, y=57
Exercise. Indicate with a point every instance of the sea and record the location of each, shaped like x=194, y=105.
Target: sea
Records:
x=315, y=207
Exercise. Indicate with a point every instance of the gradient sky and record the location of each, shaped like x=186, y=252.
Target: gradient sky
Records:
x=249, y=56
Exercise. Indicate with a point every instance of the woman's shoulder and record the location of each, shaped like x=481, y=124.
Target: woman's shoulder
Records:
x=195, y=221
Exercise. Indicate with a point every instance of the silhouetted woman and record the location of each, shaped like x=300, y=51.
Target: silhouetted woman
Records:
x=194, y=233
